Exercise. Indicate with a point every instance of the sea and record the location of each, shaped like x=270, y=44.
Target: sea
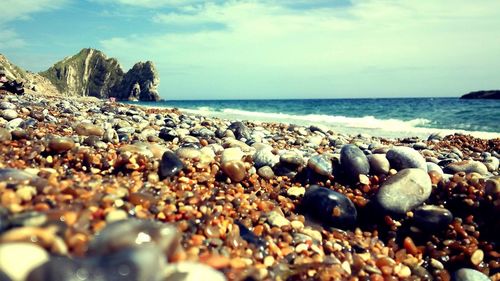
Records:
x=382, y=117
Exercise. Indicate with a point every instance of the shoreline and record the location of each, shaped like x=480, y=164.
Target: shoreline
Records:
x=394, y=131
x=87, y=185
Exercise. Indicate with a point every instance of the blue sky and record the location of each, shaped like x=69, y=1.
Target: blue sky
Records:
x=272, y=49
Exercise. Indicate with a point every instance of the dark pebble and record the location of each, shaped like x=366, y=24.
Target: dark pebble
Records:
x=170, y=165
x=432, y=218
x=353, y=162
x=329, y=207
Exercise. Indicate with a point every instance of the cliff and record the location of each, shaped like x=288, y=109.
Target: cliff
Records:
x=491, y=94
x=92, y=73
x=32, y=81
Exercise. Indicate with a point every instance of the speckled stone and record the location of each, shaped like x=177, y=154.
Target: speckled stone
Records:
x=5, y=135
x=321, y=165
x=402, y=157
x=353, y=161
x=405, y=190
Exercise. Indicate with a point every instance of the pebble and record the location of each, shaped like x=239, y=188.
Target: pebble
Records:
x=168, y=134
x=296, y=191
x=292, y=159
x=116, y=215
x=87, y=129
x=276, y=219
x=14, y=124
x=492, y=163
x=467, y=166
x=235, y=170
x=405, y=190
x=191, y=271
x=353, y=161
x=5, y=135
x=266, y=172
x=231, y=154
x=188, y=153
x=467, y=274
x=240, y=130
x=265, y=157
x=61, y=144
x=321, y=165
x=492, y=186
x=329, y=207
x=9, y=114
x=379, y=165
x=432, y=218
x=170, y=165
x=17, y=260
x=434, y=167
x=402, y=157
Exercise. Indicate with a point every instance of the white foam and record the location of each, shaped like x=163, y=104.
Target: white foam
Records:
x=351, y=125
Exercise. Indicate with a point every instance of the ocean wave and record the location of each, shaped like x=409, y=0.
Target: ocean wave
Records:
x=421, y=127
x=367, y=122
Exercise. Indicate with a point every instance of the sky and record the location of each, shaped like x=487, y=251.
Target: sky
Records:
x=284, y=49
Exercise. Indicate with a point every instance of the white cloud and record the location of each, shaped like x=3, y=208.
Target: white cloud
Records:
x=370, y=46
x=20, y=10
x=149, y=3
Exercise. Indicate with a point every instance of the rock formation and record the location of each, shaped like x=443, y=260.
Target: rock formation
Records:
x=92, y=73
x=32, y=81
x=491, y=94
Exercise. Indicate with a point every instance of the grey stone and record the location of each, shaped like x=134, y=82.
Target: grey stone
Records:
x=9, y=114
x=321, y=165
x=402, y=157
x=491, y=163
x=467, y=274
x=265, y=157
x=467, y=166
x=379, y=165
x=405, y=190
x=353, y=161
x=170, y=165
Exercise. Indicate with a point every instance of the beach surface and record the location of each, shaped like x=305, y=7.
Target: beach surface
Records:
x=97, y=190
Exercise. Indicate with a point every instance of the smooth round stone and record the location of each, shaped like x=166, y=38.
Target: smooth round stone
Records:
x=188, y=153
x=5, y=135
x=292, y=159
x=61, y=144
x=17, y=260
x=467, y=274
x=240, y=130
x=276, y=219
x=116, y=215
x=492, y=186
x=9, y=114
x=432, y=218
x=402, y=157
x=170, y=165
x=138, y=148
x=419, y=145
x=265, y=172
x=329, y=207
x=231, y=154
x=379, y=165
x=14, y=124
x=191, y=271
x=10, y=175
x=265, y=157
x=353, y=161
x=235, y=170
x=87, y=129
x=7, y=105
x=467, y=166
x=168, y=134
x=434, y=167
x=405, y=190
x=134, y=233
x=296, y=191
x=321, y=165
x=491, y=163
x=110, y=135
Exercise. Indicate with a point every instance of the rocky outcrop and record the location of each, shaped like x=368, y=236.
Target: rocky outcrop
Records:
x=92, y=73
x=32, y=81
x=491, y=94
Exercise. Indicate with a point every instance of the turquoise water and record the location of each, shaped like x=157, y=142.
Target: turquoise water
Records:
x=418, y=115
